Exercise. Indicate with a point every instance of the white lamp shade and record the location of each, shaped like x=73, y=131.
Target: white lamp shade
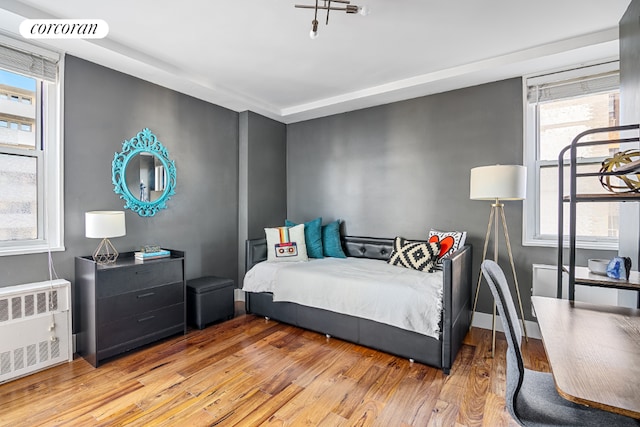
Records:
x=503, y=182
x=104, y=224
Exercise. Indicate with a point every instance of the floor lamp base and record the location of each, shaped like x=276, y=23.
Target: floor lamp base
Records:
x=497, y=210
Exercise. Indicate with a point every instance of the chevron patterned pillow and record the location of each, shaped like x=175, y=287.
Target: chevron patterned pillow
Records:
x=416, y=255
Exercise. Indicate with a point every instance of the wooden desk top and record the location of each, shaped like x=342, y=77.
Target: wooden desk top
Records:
x=594, y=352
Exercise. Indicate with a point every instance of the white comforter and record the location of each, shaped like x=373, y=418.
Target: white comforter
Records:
x=366, y=288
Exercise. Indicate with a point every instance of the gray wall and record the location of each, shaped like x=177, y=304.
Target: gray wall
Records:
x=396, y=169
x=267, y=180
x=263, y=178
x=630, y=64
x=402, y=168
x=102, y=109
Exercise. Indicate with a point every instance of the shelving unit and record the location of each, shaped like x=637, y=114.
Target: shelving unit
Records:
x=581, y=275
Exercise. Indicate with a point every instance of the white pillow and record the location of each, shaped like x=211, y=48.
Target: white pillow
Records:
x=286, y=244
x=450, y=241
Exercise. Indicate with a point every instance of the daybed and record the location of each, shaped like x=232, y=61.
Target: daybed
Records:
x=438, y=352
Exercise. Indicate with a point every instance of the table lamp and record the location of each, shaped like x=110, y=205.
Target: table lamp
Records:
x=498, y=183
x=103, y=225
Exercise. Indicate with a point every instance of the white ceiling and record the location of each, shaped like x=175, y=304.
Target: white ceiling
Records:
x=257, y=55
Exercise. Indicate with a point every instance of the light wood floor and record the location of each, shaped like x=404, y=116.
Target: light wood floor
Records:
x=249, y=371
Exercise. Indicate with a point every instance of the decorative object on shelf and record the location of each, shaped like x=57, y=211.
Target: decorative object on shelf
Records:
x=147, y=255
x=598, y=266
x=143, y=168
x=619, y=268
x=150, y=248
x=104, y=225
x=326, y=5
x=498, y=183
x=622, y=161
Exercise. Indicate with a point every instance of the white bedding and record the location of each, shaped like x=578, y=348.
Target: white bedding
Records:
x=361, y=287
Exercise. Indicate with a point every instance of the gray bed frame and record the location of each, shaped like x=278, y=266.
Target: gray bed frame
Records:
x=440, y=353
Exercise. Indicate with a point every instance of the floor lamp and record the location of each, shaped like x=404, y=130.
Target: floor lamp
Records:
x=498, y=183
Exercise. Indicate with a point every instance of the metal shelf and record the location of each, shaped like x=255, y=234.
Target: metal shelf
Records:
x=581, y=275
x=585, y=277
x=604, y=197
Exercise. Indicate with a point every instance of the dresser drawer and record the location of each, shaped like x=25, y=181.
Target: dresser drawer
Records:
x=126, y=305
x=124, y=333
x=114, y=281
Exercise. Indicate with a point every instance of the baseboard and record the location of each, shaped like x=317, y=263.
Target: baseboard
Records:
x=484, y=321
x=238, y=295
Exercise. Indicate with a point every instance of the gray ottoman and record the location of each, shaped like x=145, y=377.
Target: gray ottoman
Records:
x=209, y=299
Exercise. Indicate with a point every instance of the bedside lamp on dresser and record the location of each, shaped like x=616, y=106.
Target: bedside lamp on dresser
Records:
x=103, y=225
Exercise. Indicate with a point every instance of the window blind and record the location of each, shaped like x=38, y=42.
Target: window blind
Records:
x=574, y=87
x=28, y=64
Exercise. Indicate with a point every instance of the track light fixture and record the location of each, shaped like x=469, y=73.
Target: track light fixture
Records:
x=326, y=5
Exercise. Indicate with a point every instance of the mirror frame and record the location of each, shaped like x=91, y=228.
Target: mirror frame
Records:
x=144, y=141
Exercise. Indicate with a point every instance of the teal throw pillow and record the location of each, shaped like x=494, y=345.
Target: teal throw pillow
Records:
x=312, y=236
x=331, y=243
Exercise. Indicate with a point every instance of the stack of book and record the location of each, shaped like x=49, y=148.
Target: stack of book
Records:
x=144, y=256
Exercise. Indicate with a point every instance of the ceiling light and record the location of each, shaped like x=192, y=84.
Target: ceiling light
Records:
x=314, y=29
x=343, y=5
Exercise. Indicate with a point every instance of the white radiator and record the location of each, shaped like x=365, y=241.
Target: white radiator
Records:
x=35, y=327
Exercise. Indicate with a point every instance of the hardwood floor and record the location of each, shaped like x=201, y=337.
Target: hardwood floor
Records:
x=249, y=371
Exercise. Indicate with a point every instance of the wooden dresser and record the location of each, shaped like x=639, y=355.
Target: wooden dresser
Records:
x=128, y=304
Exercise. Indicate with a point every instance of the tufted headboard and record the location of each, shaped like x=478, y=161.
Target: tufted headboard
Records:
x=367, y=247
x=359, y=247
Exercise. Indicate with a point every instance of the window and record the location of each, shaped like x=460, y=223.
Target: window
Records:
x=558, y=107
x=30, y=149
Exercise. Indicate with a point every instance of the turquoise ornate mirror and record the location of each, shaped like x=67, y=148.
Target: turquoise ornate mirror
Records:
x=143, y=175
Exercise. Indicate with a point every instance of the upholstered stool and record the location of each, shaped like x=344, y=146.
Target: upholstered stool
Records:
x=209, y=299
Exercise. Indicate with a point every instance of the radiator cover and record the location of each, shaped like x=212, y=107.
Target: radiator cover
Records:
x=35, y=327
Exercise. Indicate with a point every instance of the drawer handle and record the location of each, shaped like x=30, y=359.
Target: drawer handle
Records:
x=144, y=319
x=148, y=294
x=143, y=271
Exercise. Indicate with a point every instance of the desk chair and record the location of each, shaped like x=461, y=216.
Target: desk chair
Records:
x=531, y=397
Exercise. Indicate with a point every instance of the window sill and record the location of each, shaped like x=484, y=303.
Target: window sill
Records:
x=29, y=249
x=584, y=244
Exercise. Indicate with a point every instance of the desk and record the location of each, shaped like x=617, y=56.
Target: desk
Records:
x=594, y=352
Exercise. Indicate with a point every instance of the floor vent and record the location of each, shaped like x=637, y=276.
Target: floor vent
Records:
x=35, y=327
